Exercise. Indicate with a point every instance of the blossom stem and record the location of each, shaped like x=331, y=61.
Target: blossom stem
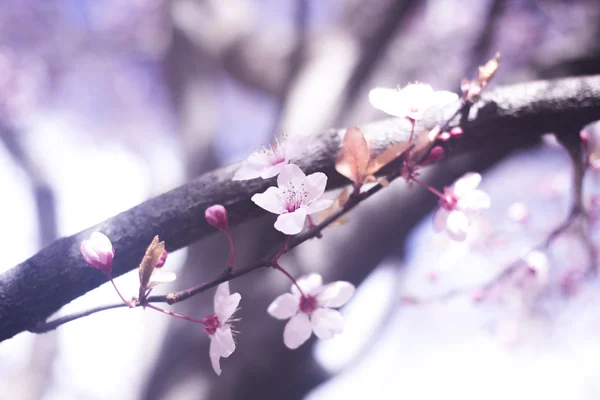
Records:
x=231, y=249
x=280, y=268
x=426, y=186
x=285, y=244
x=118, y=292
x=162, y=310
x=412, y=129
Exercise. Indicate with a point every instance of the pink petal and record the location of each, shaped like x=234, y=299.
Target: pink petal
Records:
x=271, y=171
x=225, y=305
x=315, y=185
x=221, y=345
x=474, y=200
x=159, y=277
x=318, y=205
x=336, y=294
x=291, y=223
x=284, y=306
x=390, y=101
x=310, y=284
x=291, y=176
x=271, y=200
x=296, y=145
x=442, y=98
x=297, y=331
x=466, y=183
x=457, y=225
x=101, y=242
x=248, y=171
x=326, y=323
x=439, y=219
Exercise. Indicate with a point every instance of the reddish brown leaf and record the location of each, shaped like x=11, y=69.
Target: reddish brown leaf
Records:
x=386, y=156
x=354, y=158
x=151, y=258
x=339, y=202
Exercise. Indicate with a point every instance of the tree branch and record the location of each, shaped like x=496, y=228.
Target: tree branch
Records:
x=33, y=290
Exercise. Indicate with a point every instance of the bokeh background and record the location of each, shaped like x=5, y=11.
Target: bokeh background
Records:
x=106, y=103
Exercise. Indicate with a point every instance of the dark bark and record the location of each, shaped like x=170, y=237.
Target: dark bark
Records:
x=34, y=289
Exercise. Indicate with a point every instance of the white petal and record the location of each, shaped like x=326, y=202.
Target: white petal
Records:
x=318, y=205
x=247, y=171
x=417, y=92
x=296, y=145
x=336, y=294
x=310, y=284
x=221, y=345
x=159, y=277
x=274, y=170
x=101, y=242
x=326, y=323
x=474, y=200
x=225, y=304
x=315, y=185
x=457, y=225
x=297, y=331
x=271, y=200
x=466, y=183
x=441, y=98
x=284, y=306
x=291, y=176
x=291, y=223
x=439, y=219
x=390, y=101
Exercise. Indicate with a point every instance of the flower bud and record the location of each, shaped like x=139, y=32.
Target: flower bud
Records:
x=98, y=252
x=216, y=215
x=162, y=260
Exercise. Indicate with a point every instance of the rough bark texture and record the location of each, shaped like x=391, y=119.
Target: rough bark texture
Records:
x=34, y=289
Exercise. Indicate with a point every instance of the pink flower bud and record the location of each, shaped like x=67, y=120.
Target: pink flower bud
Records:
x=584, y=135
x=217, y=216
x=456, y=131
x=435, y=155
x=98, y=252
x=162, y=260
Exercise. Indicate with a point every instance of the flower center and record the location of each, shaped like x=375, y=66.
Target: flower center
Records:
x=211, y=323
x=449, y=201
x=308, y=304
x=295, y=197
x=274, y=154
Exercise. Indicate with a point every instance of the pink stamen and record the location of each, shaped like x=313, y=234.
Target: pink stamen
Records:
x=308, y=304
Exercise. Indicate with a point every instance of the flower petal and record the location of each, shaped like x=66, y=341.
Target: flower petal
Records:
x=457, y=225
x=159, y=277
x=442, y=98
x=318, y=205
x=297, y=331
x=271, y=200
x=390, y=101
x=221, y=345
x=247, y=171
x=291, y=177
x=474, y=200
x=315, y=186
x=284, y=306
x=273, y=170
x=101, y=242
x=310, y=284
x=295, y=145
x=224, y=303
x=466, y=183
x=440, y=218
x=326, y=323
x=336, y=294
x=291, y=223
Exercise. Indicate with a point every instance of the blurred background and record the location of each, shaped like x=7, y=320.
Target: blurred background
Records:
x=106, y=103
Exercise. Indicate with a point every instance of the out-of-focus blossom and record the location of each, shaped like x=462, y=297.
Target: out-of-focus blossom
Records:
x=98, y=252
x=460, y=201
x=218, y=325
x=538, y=265
x=411, y=102
x=518, y=212
x=296, y=196
x=216, y=215
x=269, y=162
x=313, y=311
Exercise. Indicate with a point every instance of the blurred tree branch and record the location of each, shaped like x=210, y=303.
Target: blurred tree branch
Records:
x=511, y=116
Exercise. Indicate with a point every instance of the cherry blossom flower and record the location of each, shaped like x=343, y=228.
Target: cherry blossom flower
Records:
x=98, y=252
x=411, y=102
x=216, y=215
x=296, y=196
x=269, y=162
x=218, y=325
x=460, y=201
x=311, y=312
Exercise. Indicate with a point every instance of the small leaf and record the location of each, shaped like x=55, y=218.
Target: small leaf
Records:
x=386, y=156
x=354, y=158
x=487, y=72
x=151, y=258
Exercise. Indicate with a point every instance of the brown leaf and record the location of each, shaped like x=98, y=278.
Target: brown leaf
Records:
x=487, y=72
x=151, y=258
x=386, y=156
x=354, y=158
x=339, y=202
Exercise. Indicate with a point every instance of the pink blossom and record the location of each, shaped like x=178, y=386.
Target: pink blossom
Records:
x=518, y=212
x=269, y=162
x=216, y=215
x=98, y=252
x=296, y=196
x=411, y=102
x=218, y=325
x=460, y=201
x=162, y=260
x=313, y=311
